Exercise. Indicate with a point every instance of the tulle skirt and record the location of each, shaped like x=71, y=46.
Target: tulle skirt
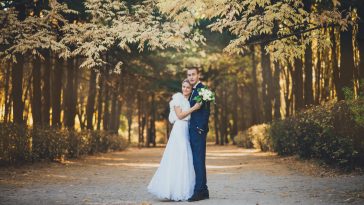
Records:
x=175, y=177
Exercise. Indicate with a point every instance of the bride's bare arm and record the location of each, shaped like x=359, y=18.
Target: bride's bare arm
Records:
x=182, y=114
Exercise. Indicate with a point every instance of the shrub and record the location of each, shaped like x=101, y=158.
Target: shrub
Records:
x=282, y=134
x=332, y=133
x=20, y=144
x=14, y=143
x=244, y=139
x=255, y=137
x=48, y=143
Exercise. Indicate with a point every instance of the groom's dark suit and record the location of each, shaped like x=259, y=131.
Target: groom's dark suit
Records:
x=198, y=129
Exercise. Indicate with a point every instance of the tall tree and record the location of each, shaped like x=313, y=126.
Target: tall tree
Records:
x=7, y=98
x=69, y=95
x=360, y=39
x=57, y=78
x=36, y=95
x=277, y=91
x=318, y=78
x=46, y=89
x=347, y=65
x=335, y=65
x=17, y=92
x=298, y=84
x=100, y=100
x=308, y=90
x=255, y=103
x=90, y=107
x=266, y=84
x=17, y=77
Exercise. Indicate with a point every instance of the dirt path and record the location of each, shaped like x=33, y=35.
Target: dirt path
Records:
x=235, y=176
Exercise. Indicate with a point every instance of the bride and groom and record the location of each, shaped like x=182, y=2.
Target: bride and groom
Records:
x=182, y=172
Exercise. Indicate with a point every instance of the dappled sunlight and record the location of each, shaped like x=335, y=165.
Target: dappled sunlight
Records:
x=139, y=165
x=224, y=166
x=235, y=150
x=68, y=162
x=222, y=173
x=57, y=176
x=106, y=158
x=226, y=154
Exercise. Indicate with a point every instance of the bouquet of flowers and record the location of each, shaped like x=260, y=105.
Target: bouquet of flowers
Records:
x=204, y=95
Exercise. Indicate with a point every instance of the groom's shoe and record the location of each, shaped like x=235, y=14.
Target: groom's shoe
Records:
x=199, y=196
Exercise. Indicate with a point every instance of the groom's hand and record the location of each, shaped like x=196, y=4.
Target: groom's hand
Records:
x=197, y=106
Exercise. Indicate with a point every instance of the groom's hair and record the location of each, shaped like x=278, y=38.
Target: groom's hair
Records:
x=194, y=68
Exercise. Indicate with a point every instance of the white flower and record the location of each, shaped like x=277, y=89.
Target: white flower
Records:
x=206, y=94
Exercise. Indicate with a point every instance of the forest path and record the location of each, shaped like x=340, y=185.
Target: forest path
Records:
x=235, y=176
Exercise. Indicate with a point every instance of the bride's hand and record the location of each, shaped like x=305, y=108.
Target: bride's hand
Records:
x=197, y=106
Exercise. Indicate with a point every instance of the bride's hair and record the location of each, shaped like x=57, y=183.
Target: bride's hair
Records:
x=186, y=81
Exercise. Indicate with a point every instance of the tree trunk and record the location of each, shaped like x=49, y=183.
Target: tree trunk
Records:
x=277, y=91
x=106, y=116
x=6, y=93
x=36, y=98
x=308, y=90
x=287, y=93
x=57, y=92
x=318, y=78
x=117, y=115
x=113, y=114
x=347, y=59
x=266, y=84
x=139, y=119
x=27, y=91
x=234, y=127
x=298, y=84
x=17, y=77
x=144, y=124
x=335, y=65
x=147, y=124
x=360, y=39
x=254, y=91
x=69, y=108
x=75, y=89
x=130, y=121
x=242, y=109
x=99, y=100
x=223, y=123
x=216, y=122
x=152, y=122
x=90, y=107
x=46, y=105
x=17, y=91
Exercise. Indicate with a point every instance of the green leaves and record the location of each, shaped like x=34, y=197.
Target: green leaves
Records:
x=248, y=20
x=329, y=133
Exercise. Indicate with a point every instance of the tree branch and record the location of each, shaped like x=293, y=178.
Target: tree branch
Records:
x=269, y=40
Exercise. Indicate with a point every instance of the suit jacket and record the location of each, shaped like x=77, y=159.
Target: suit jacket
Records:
x=200, y=118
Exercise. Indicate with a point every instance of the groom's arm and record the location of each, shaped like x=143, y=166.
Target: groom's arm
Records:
x=205, y=115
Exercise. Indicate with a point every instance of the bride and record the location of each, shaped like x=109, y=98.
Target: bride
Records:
x=175, y=177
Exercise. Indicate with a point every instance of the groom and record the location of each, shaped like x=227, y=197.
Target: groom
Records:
x=198, y=129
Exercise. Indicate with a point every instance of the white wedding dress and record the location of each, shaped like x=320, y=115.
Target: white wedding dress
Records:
x=175, y=177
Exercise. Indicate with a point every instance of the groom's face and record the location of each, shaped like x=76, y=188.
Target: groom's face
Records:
x=193, y=76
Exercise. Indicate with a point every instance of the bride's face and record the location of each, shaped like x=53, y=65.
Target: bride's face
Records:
x=186, y=89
